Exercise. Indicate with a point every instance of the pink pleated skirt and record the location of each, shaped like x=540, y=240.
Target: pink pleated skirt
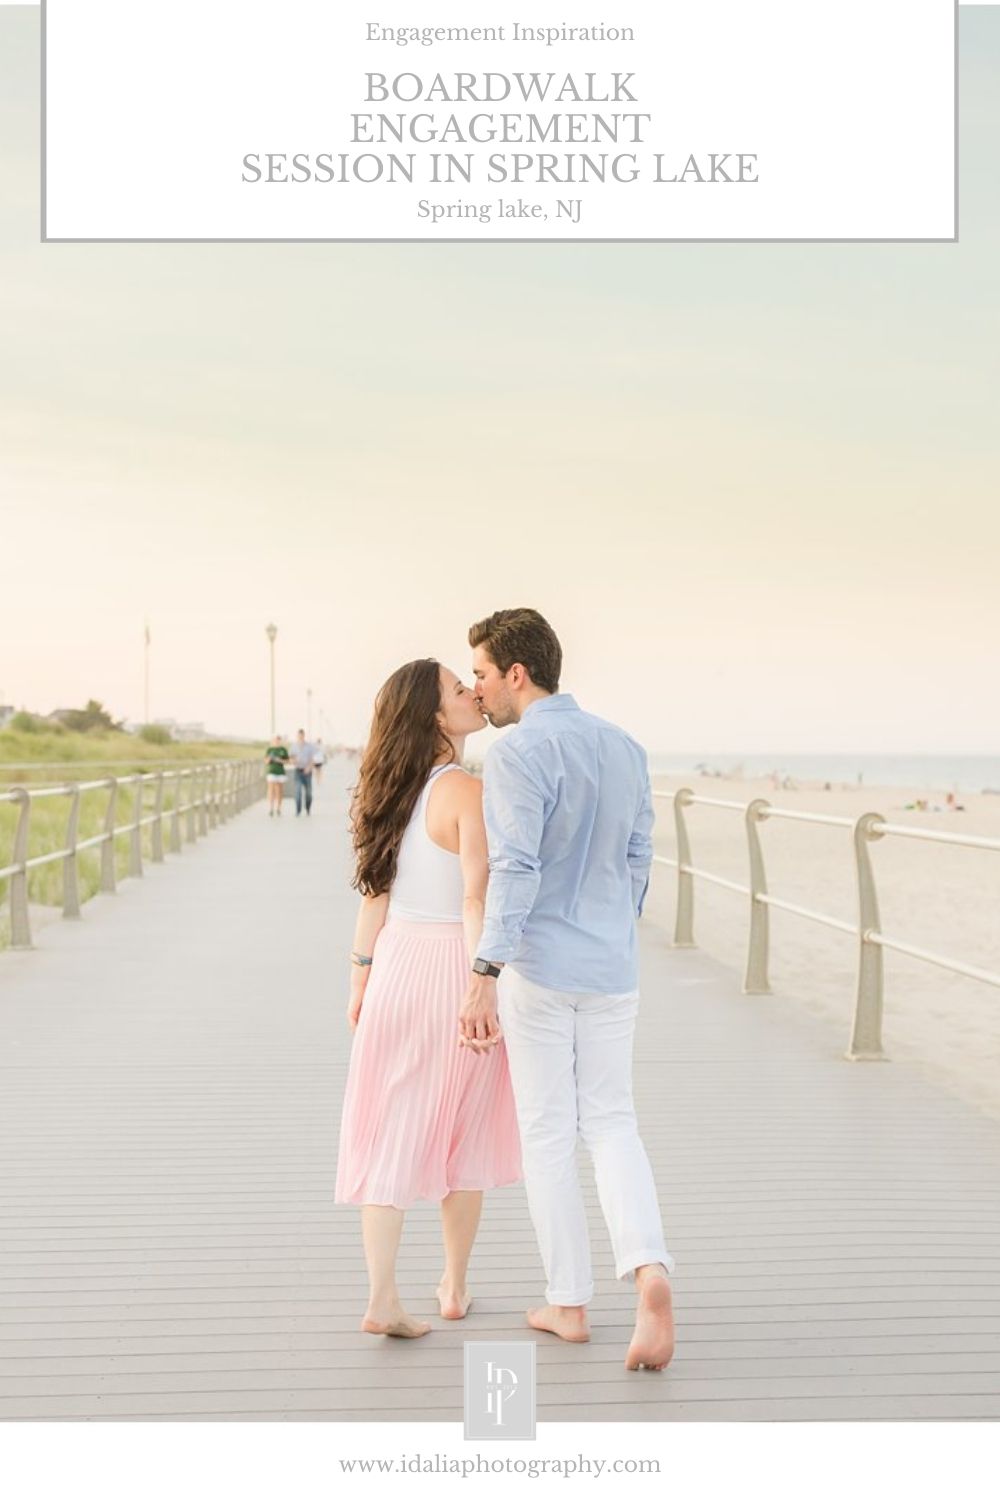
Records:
x=423, y=1117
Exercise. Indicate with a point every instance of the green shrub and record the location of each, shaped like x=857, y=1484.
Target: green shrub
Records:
x=155, y=734
x=93, y=718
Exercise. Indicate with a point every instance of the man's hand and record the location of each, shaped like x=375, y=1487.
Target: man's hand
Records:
x=478, y=1026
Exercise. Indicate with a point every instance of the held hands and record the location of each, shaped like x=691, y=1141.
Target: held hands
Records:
x=478, y=1026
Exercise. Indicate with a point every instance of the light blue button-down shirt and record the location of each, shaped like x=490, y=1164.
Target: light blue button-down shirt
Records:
x=302, y=754
x=569, y=818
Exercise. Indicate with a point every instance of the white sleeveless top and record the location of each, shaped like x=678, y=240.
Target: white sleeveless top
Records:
x=428, y=886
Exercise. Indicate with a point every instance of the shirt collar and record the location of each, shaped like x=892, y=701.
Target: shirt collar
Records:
x=555, y=703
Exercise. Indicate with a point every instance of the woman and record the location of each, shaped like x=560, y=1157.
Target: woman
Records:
x=277, y=757
x=424, y=1118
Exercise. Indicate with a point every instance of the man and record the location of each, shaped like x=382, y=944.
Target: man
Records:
x=303, y=760
x=569, y=817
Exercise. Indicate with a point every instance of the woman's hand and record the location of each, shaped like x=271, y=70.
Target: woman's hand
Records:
x=372, y=913
x=478, y=1025
x=359, y=981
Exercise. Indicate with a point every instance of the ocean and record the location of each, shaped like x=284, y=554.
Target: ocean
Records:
x=942, y=773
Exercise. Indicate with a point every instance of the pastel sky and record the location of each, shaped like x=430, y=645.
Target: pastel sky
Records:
x=754, y=487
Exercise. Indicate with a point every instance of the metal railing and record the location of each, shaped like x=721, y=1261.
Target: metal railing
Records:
x=866, y=1035
x=215, y=793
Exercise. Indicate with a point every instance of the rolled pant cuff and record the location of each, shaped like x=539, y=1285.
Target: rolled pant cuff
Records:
x=569, y=1299
x=626, y=1270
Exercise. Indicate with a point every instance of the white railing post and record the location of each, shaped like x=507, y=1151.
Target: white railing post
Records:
x=213, y=797
x=20, y=922
x=71, y=882
x=190, y=822
x=866, y=1039
x=108, y=881
x=684, y=920
x=175, y=814
x=756, y=981
x=202, y=800
x=135, y=838
x=157, y=829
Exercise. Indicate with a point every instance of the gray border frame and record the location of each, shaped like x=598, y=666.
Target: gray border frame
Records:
x=48, y=239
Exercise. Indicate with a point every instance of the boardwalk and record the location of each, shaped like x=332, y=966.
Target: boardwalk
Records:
x=171, y=1074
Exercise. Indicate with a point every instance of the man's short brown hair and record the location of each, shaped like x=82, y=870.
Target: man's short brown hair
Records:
x=521, y=635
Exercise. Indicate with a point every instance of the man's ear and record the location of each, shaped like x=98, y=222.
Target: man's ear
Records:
x=516, y=676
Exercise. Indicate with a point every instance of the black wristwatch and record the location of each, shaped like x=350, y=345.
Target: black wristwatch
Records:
x=483, y=966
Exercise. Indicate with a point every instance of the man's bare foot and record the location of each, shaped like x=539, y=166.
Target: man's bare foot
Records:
x=569, y=1323
x=395, y=1323
x=652, y=1345
x=454, y=1304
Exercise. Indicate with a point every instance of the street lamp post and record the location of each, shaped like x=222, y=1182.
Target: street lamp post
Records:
x=272, y=631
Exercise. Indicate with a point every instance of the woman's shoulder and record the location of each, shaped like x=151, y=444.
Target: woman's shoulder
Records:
x=456, y=785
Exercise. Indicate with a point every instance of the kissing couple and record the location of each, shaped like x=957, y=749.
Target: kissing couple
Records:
x=494, y=985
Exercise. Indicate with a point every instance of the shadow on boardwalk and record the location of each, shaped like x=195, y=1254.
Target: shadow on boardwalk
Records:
x=171, y=1075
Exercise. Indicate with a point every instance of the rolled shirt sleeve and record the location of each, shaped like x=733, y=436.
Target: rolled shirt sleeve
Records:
x=640, y=846
x=514, y=808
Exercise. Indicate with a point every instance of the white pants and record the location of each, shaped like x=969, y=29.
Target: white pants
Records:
x=571, y=1067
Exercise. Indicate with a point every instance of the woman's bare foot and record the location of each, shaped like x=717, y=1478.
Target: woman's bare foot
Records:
x=454, y=1303
x=652, y=1345
x=569, y=1323
x=394, y=1322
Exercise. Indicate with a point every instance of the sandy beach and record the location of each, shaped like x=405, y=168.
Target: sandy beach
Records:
x=942, y=898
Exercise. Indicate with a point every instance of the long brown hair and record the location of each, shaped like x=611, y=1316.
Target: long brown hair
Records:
x=404, y=742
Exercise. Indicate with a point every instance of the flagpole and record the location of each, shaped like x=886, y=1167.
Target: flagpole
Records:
x=145, y=677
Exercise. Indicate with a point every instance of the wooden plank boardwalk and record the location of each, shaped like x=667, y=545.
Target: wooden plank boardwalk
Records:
x=171, y=1070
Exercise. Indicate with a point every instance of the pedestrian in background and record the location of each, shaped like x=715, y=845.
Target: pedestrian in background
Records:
x=302, y=758
x=277, y=761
